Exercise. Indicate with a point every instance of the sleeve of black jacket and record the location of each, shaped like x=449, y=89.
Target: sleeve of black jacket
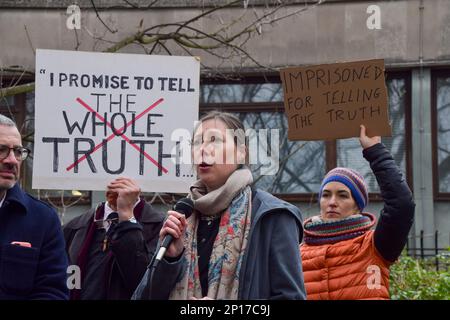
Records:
x=167, y=273
x=131, y=253
x=286, y=276
x=397, y=215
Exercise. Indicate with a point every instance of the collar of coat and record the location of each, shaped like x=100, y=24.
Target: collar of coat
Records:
x=15, y=196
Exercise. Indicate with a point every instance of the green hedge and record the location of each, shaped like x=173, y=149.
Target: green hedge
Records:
x=417, y=279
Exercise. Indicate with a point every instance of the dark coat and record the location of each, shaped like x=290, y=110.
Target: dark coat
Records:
x=131, y=246
x=397, y=216
x=39, y=272
x=271, y=268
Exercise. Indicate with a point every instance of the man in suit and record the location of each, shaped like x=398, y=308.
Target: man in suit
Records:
x=112, y=244
x=32, y=260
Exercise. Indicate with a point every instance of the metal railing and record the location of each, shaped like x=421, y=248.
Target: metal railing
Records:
x=432, y=255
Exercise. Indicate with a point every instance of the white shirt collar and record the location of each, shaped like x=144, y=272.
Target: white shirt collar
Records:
x=108, y=210
x=3, y=199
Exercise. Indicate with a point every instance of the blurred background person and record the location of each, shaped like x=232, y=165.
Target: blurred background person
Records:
x=343, y=258
x=112, y=243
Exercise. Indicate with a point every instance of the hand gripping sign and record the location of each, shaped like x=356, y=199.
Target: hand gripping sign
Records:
x=103, y=115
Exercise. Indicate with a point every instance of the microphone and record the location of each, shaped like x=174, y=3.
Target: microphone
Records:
x=184, y=206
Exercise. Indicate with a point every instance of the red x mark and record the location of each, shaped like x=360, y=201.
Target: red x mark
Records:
x=112, y=136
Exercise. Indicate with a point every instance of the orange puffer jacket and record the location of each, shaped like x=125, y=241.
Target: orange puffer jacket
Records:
x=347, y=270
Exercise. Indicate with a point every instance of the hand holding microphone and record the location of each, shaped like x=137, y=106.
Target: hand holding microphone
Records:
x=172, y=232
x=171, y=238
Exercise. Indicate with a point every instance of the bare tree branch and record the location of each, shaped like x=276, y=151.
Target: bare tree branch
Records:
x=165, y=48
x=101, y=20
x=227, y=43
x=208, y=12
x=123, y=43
x=131, y=4
x=29, y=40
x=11, y=91
x=76, y=37
x=16, y=69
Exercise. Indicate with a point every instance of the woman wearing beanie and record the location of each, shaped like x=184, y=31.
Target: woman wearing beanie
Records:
x=239, y=243
x=343, y=257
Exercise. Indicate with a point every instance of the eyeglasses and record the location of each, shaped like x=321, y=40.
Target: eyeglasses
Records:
x=20, y=153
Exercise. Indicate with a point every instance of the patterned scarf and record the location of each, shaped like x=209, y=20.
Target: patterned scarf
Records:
x=230, y=243
x=318, y=232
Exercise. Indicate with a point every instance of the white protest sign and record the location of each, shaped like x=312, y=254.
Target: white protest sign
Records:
x=102, y=115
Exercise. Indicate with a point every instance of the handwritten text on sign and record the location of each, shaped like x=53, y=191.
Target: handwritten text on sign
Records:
x=331, y=101
x=99, y=116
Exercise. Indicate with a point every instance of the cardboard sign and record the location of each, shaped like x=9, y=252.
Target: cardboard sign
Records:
x=99, y=116
x=331, y=101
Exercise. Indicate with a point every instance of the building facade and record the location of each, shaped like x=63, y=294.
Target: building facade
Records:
x=412, y=36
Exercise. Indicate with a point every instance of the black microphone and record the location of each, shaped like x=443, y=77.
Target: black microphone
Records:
x=184, y=206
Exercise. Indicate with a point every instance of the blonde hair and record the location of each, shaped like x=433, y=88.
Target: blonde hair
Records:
x=231, y=122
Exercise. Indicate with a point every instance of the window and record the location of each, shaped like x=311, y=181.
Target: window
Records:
x=301, y=164
x=258, y=102
x=245, y=94
x=349, y=153
x=441, y=133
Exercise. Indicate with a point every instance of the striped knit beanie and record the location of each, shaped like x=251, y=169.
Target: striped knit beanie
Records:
x=352, y=180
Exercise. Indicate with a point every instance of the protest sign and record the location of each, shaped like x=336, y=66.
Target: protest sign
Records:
x=330, y=101
x=99, y=116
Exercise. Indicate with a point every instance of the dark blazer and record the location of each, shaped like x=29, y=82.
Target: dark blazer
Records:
x=132, y=245
x=39, y=271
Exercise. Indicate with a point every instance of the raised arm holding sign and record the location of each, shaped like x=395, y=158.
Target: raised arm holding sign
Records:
x=359, y=254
